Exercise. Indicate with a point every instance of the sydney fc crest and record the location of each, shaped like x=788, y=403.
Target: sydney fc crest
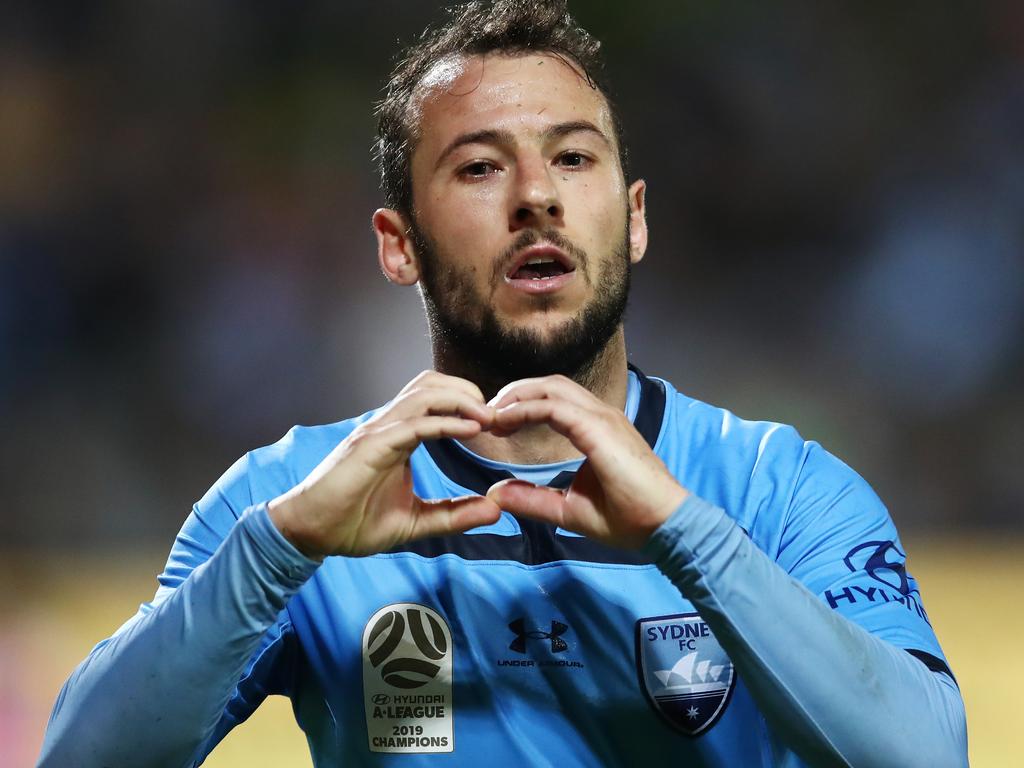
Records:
x=683, y=671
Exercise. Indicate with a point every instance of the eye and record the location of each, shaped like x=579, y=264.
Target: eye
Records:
x=573, y=159
x=478, y=169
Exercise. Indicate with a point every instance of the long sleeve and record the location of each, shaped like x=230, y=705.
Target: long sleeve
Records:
x=155, y=694
x=837, y=694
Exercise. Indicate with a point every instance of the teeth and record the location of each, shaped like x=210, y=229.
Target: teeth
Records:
x=540, y=260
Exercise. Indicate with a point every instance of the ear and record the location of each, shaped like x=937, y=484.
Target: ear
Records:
x=395, y=250
x=637, y=220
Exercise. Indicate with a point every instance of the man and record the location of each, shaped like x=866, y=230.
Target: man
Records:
x=533, y=555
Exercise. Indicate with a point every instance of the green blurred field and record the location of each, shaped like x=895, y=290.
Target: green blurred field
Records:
x=56, y=608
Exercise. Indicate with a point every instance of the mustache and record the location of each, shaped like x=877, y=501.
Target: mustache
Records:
x=529, y=237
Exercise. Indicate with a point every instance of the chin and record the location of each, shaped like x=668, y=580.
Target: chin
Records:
x=544, y=329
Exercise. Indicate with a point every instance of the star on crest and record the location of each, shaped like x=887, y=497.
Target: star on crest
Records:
x=692, y=713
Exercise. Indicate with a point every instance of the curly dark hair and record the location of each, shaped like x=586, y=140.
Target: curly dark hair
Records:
x=476, y=28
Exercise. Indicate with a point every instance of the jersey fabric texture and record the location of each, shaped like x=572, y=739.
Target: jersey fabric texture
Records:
x=521, y=644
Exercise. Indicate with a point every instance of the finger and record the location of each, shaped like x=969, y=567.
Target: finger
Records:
x=435, y=380
x=544, y=388
x=432, y=401
x=394, y=442
x=536, y=502
x=524, y=389
x=440, y=517
x=568, y=419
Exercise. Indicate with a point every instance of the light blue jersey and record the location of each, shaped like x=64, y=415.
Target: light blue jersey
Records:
x=518, y=644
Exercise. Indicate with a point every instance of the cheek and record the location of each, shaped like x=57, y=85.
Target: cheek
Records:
x=605, y=213
x=472, y=238
x=469, y=237
x=467, y=218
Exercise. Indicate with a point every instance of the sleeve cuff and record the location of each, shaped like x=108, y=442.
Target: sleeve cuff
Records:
x=279, y=554
x=696, y=530
x=691, y=518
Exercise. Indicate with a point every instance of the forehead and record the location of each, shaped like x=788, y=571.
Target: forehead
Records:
x=521, y=94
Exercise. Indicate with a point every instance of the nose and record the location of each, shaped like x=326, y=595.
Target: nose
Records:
x=536, y=202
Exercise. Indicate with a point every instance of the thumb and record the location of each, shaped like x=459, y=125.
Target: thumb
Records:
x=537, y=502
x=438, y=517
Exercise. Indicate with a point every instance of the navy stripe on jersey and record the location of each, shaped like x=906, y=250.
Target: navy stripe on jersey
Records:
x=538, y=543
x=934, y=663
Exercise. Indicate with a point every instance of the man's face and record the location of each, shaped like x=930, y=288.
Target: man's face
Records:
x=521, y=216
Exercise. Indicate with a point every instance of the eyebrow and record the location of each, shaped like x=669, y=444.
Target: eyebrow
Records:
x=499, y=137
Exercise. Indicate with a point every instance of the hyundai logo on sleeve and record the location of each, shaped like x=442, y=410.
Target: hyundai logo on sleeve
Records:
x=883, y=561
x=885, y=564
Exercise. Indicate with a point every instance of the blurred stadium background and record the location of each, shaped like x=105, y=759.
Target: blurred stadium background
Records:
x=187, y=269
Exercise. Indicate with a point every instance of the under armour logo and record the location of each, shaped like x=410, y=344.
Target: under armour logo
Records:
x=555, y=636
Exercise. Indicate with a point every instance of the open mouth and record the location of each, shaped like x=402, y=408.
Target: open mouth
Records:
x=540, y=269
x=540, y=263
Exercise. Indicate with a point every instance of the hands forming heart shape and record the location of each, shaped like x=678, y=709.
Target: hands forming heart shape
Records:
x=359, y=500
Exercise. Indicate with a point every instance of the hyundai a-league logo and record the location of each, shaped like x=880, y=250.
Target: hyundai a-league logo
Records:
x=683, y=671
x=407, y=680
x=419, y=664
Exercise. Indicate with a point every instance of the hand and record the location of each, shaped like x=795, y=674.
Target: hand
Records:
x=623, y=491
x=359, y=499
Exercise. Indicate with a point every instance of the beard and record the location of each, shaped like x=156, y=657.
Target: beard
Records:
x=472, y=342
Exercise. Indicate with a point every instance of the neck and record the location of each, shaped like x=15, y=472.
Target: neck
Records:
x=605, y=377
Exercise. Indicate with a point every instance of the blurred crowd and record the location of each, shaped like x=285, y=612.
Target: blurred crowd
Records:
x=836, y=197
